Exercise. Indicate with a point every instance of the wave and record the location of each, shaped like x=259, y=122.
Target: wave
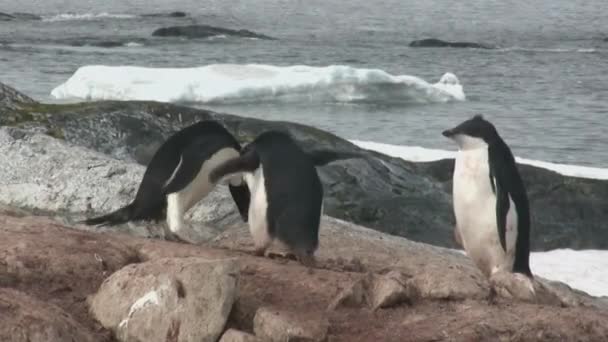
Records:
x=422, y=154
x=253, y=83
x=87, y=16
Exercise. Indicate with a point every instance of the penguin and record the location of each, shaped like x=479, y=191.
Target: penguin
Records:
x=286, y=192
x=490, y=201
x=177, y=178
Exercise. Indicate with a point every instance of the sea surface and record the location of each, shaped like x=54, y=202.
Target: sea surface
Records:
x=545, y=87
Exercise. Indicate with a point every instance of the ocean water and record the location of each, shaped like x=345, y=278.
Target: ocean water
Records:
x=545, y=87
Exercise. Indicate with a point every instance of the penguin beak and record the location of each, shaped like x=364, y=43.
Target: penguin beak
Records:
x=448, y=133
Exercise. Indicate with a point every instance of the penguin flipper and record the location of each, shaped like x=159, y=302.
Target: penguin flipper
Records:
x=246, y=162
x=500, y=189
x=502, y=209
x=242, y=197
x=322, y=157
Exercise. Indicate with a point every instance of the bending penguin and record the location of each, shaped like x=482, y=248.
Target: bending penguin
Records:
x=177, y=177
x=286, y=192
x=491, y=207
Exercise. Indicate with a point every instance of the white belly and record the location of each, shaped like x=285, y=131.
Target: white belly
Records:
x=258, y=221
x=178, y=203
x=475, y=211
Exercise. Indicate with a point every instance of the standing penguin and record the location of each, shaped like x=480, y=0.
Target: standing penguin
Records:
x=177, y=177
x=490, y=201
x=286, y=192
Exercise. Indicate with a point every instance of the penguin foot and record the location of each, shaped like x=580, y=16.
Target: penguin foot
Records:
x=282, y=255
x=307, y=260
x=259, y=252
x=492, y=296
x=513, y=285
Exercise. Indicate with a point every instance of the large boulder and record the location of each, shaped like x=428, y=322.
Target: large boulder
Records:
x=206, y=31
x=184, y=299
x=385, y=193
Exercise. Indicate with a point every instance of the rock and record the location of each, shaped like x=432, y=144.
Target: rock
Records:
x=176, y=14
x=278, y=326
x=26, y=16
x=18, y=15
x=390, y=290
x=186, y=299
x=432, y=42
x=27, y=319
x=11, y=99
x=6, y=17
x=205, y=31
x=355, y=295
x=284, y=287
x=57, y=268
x=232, y=335
x=434, y=272
x=388, y=194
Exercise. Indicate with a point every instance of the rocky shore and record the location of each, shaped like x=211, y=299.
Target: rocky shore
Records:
x=62, y=281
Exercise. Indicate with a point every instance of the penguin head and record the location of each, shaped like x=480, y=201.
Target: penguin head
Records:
x=474, y=133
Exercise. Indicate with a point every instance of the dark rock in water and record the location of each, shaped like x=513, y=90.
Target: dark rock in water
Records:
x=26, y=16
x=6, y=16
x=103, y=43
x=388, y=194
x=176, y=14
x=205, y=31
x=442, y=43
x=18, y=16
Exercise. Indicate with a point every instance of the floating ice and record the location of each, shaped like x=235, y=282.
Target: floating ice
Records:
x=235, y=83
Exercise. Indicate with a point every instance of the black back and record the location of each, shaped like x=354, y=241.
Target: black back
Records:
x=504, y=173
x=196, y=143
x=505, y=181
x=293, y=188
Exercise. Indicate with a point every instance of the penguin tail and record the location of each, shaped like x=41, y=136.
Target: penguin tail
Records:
x=122, y=215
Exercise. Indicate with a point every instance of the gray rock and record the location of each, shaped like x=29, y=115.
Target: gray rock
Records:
x=434, y=43
x=11, y=99
x=6, y=17
x=26, y=16
x=180, y=299
x=206, y=31
x=279, y=326
x=176, y=14
x=18, y=16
